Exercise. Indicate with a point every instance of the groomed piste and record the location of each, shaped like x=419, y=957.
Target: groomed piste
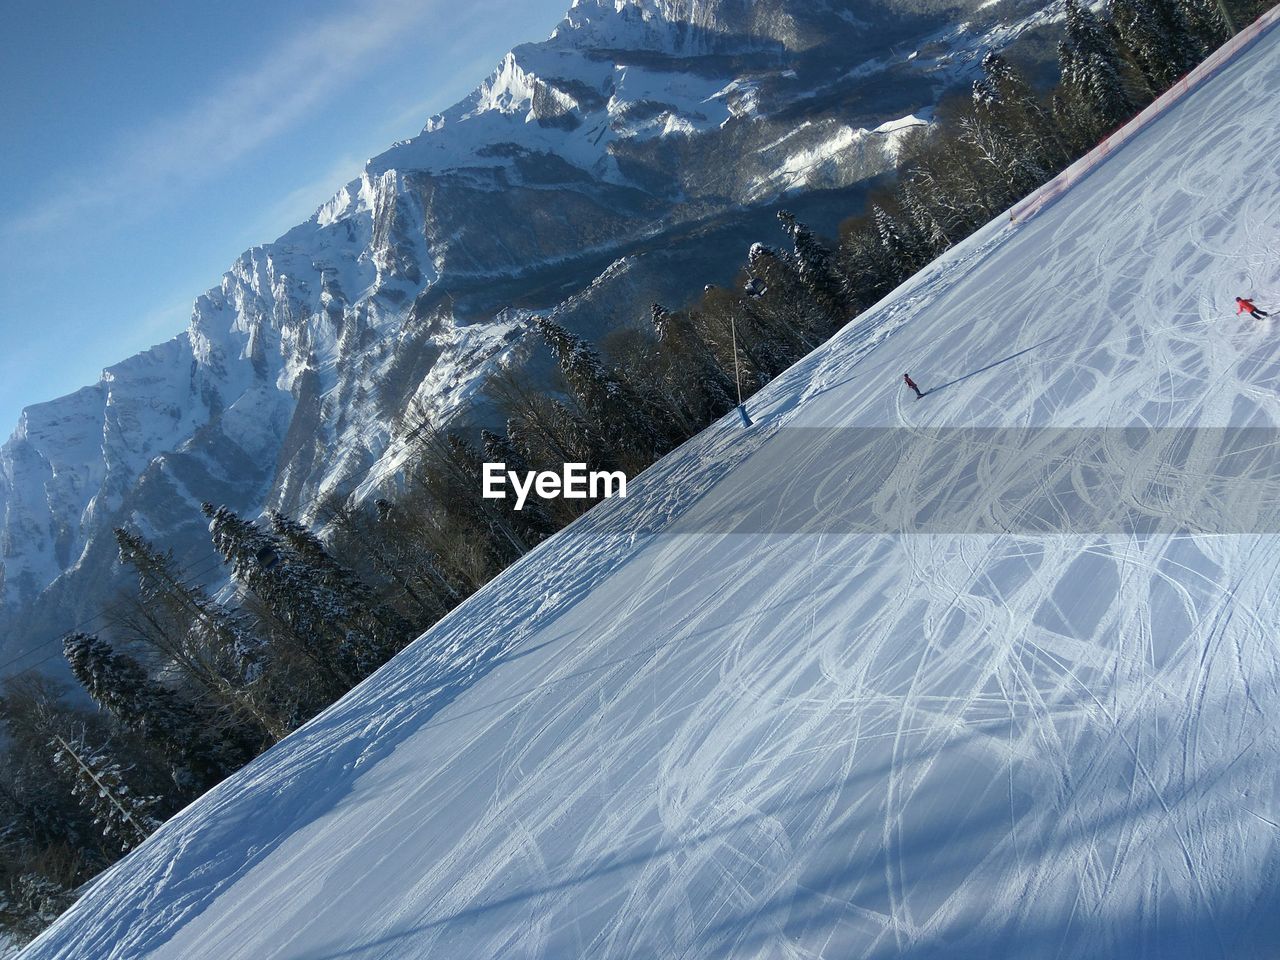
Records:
x=688, y=728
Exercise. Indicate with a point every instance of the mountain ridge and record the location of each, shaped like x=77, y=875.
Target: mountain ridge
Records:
x=634, y=121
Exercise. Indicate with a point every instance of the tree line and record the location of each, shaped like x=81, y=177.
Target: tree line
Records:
x=187, y=686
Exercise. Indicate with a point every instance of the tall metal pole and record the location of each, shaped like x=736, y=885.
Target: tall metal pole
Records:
x=737, y=374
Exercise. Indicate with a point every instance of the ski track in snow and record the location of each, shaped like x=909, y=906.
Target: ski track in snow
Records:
x=640, y=743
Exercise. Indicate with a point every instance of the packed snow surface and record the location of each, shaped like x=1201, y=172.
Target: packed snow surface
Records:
x=685, y=741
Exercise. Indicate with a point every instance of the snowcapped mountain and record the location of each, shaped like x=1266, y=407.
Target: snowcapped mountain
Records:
x=709, y=721
x=631, y=156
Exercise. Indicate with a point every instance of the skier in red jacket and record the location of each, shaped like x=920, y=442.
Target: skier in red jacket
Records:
x=1243, y=305
x=906, y=378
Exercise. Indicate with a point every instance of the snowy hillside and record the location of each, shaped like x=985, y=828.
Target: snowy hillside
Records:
x=624, y=155
x=670, y=732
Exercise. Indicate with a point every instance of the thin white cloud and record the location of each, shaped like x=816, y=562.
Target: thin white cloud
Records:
x=236, y=117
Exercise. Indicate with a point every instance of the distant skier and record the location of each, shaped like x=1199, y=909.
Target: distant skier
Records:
x=906, y=378
x=1243, y=305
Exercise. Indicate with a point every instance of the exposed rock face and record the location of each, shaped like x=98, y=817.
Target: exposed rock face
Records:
x=630, y=156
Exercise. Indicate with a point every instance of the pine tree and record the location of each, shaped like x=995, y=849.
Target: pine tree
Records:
x=816, y=267
x=692, y=382
x=905, y=251
x=211, y=648
x=588, y=386
x=1158, y=37
x=579, y=363
x=30, y=902
x=456, y=475
x=101, y=785
x=32, y=796
x=615, y=426
x=924, y=220
x=375, y=631
x=661, y=319
x=547, y=432
x=499, y=449
x=198, y=752
x=1208, y=24
x=519, y=442
x=377, y=533
x=1010, y=132
x=472, y=538
x=1091, y=88
x=784, y=323
x=307, y=618
x=324, y=611
x=951, y=188
x=49, y=844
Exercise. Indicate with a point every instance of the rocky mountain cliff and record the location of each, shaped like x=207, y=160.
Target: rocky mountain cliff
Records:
x=631, y=156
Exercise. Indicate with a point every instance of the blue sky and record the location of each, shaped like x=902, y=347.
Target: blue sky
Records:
x=145, y=143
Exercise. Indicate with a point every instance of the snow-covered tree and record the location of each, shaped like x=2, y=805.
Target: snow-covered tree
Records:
x=305, y=619
x=785, y=321
x=375, y=631
x=615, y=425
x=48, y=844
x=1092, y=93
x=687, y=376
x=948, y=186
x=816, y=266
x=198, y=751
x=905, y=249
x=211, y=647
x=29, y=902
x=533, y=523
x=936, y=231
x=101, y=785
x=1208, y=22
x=1010, y=133
x=1158, y=37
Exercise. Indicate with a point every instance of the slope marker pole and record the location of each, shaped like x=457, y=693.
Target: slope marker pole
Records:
x=737, y=373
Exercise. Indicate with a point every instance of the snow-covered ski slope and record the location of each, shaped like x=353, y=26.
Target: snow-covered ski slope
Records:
x=655, y=737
